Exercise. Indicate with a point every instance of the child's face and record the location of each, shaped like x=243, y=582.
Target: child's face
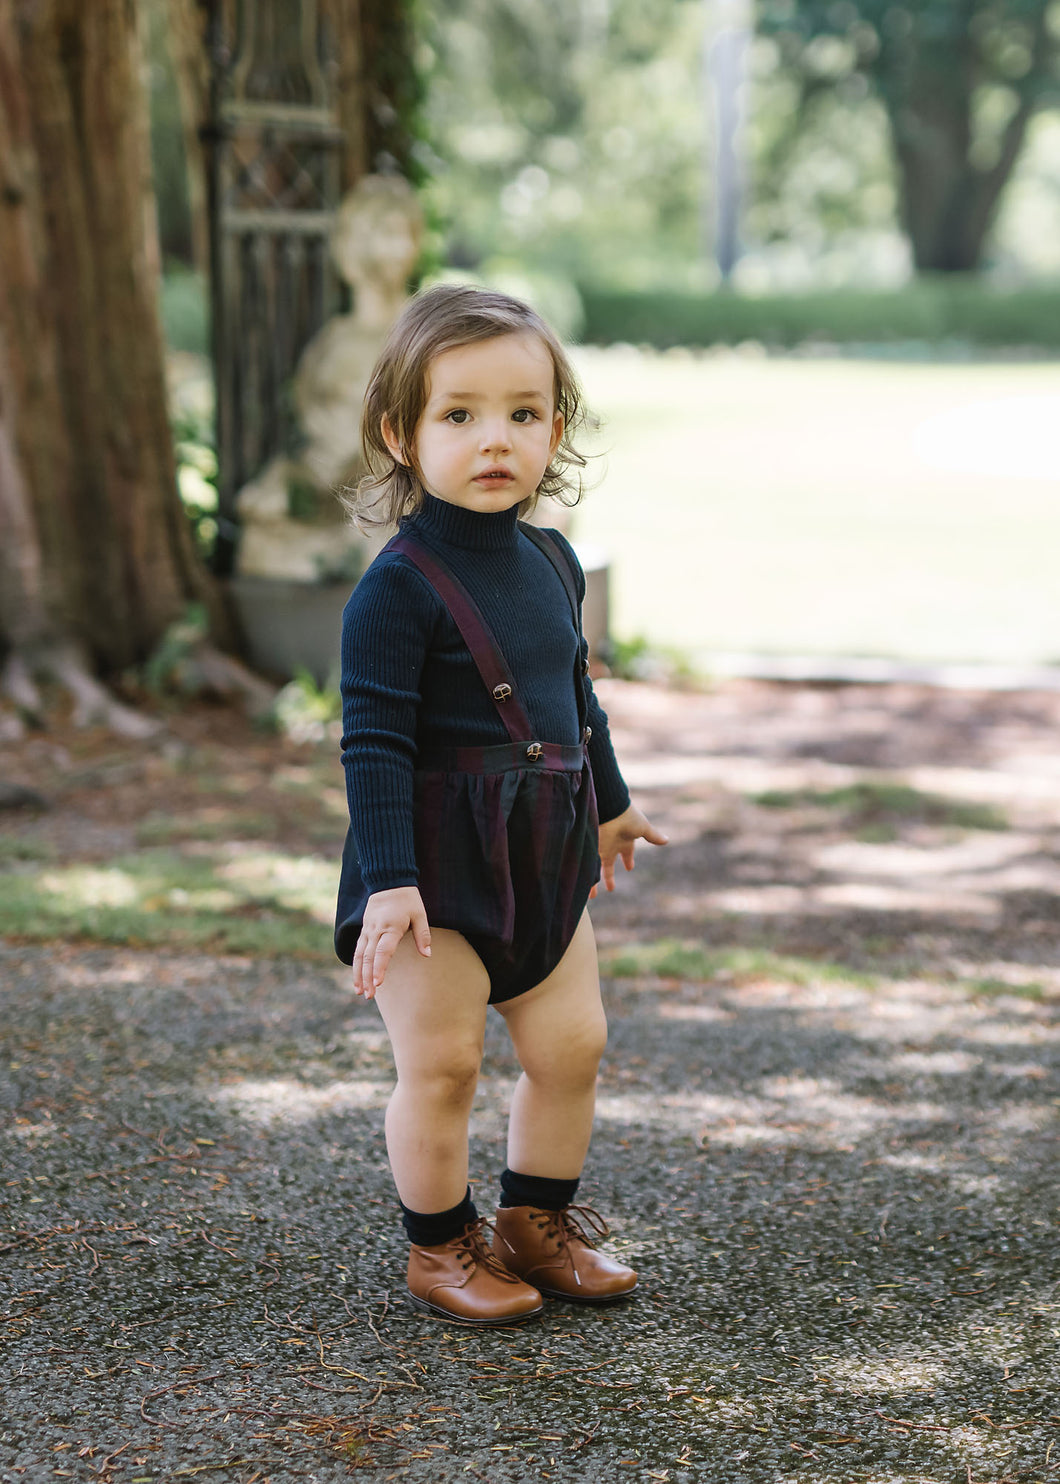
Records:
x=489, y=424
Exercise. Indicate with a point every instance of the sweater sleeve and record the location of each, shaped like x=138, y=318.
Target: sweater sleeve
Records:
x=612, y=795
x=386, y=631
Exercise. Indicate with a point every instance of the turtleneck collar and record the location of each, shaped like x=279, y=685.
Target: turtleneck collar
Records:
x=471, y=529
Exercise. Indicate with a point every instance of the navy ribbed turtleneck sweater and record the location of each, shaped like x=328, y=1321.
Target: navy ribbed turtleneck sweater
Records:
x=410, y=684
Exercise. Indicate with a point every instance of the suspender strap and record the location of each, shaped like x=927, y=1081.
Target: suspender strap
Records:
x=474, y=631
x=551, y=548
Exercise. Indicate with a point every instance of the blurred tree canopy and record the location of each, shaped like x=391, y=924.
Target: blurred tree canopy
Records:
x=959, y=81
x=570, y=133
x=578, y=135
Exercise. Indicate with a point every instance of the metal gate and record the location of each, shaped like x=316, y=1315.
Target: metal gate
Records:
x=273, y=150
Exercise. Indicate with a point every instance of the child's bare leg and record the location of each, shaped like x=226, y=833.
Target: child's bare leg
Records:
x=434, y=1010
x=559, y=1032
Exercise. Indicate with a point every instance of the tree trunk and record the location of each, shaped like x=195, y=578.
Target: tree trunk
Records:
x=948, y=204
x=83, y=420
x=929, y=85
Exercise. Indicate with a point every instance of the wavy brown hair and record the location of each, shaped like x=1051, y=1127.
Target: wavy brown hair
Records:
x=435, y=321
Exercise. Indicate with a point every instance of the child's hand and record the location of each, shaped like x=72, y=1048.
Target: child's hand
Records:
x=617, y=838
x=388, y=916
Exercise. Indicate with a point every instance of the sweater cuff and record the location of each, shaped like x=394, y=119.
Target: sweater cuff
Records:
x=385, y=882
x=612, y=795
x=614, y=806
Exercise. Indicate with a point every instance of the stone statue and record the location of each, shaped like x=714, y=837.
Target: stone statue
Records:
x=293, y=525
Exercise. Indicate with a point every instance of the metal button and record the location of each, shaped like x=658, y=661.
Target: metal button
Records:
x=501, y=692
x=534, y=751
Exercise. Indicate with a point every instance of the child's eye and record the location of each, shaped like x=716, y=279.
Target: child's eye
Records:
x=524, y=415
x=459, y=415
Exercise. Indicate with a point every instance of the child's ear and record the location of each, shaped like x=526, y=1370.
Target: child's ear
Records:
x=558, y=425
x=392, y=442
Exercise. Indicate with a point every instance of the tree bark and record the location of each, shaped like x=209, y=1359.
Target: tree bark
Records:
x=948, y=205
x=84, y=420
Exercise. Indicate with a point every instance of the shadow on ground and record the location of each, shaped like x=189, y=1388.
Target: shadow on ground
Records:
x=827, y=1139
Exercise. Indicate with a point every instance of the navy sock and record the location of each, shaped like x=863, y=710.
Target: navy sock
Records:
x=432, y=1228
x=536, y=1190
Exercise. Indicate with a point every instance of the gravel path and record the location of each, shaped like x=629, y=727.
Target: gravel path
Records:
x=839, y=1184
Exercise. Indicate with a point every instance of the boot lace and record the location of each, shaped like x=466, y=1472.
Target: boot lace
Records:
x=567, y=1226
x=473, y=1251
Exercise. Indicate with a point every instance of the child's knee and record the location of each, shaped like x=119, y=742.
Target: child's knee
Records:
x=448, y=1081
x=572, y=1056
x=593, y=1040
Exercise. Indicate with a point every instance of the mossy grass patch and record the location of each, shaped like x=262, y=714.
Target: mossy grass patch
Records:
x=873, y=807
x=249, y=901
x=670, y=958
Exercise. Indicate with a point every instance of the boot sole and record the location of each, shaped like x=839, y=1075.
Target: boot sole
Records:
x=577, y=1298
x=437, y=1312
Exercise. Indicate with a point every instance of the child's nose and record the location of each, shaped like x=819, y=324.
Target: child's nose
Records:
x=495, y=434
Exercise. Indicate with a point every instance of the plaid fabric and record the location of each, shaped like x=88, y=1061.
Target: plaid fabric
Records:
x=508, y=855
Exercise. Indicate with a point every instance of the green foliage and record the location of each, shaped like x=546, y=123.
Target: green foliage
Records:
x=259, y=903
x=185, y=311
x=577, y=140
x=197, y=479
x=880, y=803
x=929, y=312
x=958, y=84
x=670, y=958
x=168, y=159
x=307, y=712
x=569, y=137
x=14, y=848
x=166, y=667
x=639, y=659
x=999, y=988
x=397, y=137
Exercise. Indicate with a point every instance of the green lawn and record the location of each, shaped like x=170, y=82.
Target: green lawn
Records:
x=804, y=506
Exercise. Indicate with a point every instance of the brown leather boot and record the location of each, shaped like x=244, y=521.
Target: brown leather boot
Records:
x=553, y=1251
x=465, y=1283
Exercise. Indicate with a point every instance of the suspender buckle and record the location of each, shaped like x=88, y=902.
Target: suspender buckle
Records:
x=534, y=751
x=586, y=733
x=501, y=692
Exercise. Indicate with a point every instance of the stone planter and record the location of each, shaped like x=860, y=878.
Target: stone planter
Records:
x=290, y=626
x=596, y=616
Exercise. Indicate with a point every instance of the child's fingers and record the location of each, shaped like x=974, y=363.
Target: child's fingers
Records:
x=370, y=976
x=607, y=866
x=421, y=932
x=627, y=856
x=375, y=967
x=384, y=952
x=654, y=836
x=368, y=970
x=358, y=964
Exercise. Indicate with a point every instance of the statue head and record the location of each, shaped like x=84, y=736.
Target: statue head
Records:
x=377, y=233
